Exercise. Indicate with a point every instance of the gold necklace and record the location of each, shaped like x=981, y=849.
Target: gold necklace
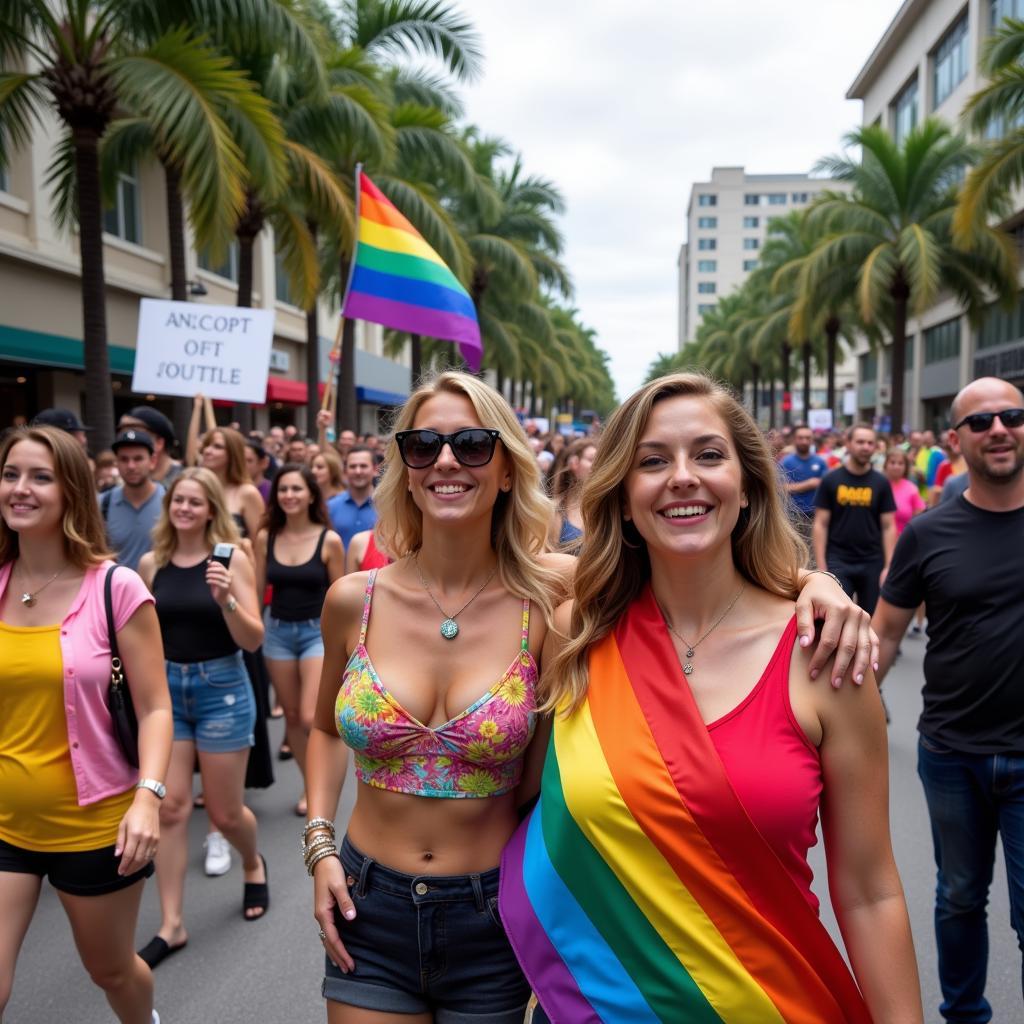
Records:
x=28, y=597
x=692, y=648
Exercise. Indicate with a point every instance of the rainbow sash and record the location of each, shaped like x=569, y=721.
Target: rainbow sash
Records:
x=639, y=890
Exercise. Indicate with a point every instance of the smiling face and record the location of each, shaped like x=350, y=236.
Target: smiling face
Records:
x=359, y=470
x=189, y=508
x=684, y=489
x=447, y=491
x=214, y=455
x=321, y=471
x=31, y=497
x=997, y=454
x=292, y=493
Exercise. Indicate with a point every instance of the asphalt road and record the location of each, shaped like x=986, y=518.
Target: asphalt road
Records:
x=269, y=972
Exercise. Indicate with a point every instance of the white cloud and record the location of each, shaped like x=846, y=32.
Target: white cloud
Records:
x=625, y=105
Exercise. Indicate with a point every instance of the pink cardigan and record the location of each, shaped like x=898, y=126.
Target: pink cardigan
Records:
x=99, y=766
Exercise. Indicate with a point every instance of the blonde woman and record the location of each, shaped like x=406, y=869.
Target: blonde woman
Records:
x=72, y=808
x=208, y=611
x=664, y=874
x=436, y=657
x=568, y=475
x=329, y=473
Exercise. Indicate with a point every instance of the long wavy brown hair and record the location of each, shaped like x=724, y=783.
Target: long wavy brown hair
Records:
x=614, y=568
x=220, y=529
x=235, y=472
x=85, y=539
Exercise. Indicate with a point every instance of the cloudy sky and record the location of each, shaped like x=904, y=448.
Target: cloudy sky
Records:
x=626, y=103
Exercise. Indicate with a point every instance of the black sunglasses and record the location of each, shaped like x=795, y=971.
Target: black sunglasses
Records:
x=979, y=422
x=471, y=446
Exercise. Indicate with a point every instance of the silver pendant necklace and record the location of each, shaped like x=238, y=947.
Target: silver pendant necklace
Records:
x=28, y=598
x=450, y=628
x=691, y=649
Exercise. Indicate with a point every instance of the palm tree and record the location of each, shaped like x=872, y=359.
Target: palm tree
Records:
x=95, y=58
x=893, y=233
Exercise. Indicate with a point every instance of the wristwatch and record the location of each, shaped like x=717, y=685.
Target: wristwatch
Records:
x=231, y=605
x=153, y=786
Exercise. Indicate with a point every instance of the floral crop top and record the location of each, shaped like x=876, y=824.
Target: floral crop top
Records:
x=477, y=753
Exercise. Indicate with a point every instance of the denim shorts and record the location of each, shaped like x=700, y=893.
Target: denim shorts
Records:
x=213, y=704
x=77, y=872
x=292, y=641
x=426, y=943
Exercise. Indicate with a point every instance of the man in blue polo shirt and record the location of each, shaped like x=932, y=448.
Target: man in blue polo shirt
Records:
x=130, y=511
x=804, y=470
x=352, y=511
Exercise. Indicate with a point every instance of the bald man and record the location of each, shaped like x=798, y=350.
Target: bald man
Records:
x=965, y=561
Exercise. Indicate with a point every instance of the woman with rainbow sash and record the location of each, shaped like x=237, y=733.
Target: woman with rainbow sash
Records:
x=663, y=876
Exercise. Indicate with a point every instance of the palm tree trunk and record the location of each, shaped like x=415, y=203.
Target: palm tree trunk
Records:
x=182, y=406
x=312, y=355
x=500, y=380
x=807, y=378
x=754, y=385
x=787, y=394
x=900, y=300
x=772, y=416
x=415, y=359
x=832, y=342
x=249, y=227
x=99, y=398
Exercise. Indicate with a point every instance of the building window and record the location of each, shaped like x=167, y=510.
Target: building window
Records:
x=707, y=222
x=869, y=368
x=227, y=268
x=749, y=265
x=4, y=183
x=122, y=219
x=707, y=244
x=776, y=198
x=752, y=199
x=706, y=287
x=707, y=199
x=705, y=307
x=942, y=342
x=1005, y=9
x=949, y=62
x=904, y=111
x=801, y=197
x=707, y=266
x=282, y=284
x=1000, y=326
x=751, y=243
x=751, y=222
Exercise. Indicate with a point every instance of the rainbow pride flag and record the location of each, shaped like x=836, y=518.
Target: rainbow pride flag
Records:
x=399, y=281
x=639, y=890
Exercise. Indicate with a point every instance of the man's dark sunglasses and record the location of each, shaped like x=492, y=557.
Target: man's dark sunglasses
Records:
x=471, y=446
x=979, y=422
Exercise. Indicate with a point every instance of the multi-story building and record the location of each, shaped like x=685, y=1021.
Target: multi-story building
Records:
x=926, y=64
x=726, y=226
x=41, y=348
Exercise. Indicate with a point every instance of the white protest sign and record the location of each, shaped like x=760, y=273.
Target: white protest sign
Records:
x=189, y=348
x=819, y=419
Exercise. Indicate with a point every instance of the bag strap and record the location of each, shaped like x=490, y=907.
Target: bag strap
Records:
x=105, y=504
x=108, y=603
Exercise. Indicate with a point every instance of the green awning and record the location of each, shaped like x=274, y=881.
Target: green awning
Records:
x=35, y=348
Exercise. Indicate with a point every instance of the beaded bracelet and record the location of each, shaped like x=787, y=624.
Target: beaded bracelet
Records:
x=315, y=823
x=321, y=855
x=317, y=844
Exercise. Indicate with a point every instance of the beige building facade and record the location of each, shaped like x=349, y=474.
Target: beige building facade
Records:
x=41, y=314
x=926, y=64
x=726, y=226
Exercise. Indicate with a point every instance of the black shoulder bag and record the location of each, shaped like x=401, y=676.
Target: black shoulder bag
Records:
x=119, y=697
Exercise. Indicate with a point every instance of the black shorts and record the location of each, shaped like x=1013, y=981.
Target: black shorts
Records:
x=426, y=943
x=78, y=873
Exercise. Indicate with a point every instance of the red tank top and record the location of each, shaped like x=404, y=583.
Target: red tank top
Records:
x=773, y=767
x=373, y=558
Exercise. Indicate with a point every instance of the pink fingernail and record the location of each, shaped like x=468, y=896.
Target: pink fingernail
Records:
x=805, y=641
x=859, y=678
x=349, y=914
x=814, y=673
x=874, y=665
x=837, y=682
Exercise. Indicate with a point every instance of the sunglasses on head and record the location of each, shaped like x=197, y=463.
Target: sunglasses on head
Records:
x=471, y=446
x=979, y=422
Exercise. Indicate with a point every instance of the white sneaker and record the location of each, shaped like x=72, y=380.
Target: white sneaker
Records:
x=218, y=854
x=156, y=1016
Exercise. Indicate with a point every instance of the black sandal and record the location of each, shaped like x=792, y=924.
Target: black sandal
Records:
x=157, y=950
x=256, y=895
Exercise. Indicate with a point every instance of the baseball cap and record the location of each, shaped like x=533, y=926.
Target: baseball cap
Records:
x=155, y=422
x=63, y=419
x=133, y=436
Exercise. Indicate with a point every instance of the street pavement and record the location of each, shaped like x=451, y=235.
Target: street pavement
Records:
x=269, y=972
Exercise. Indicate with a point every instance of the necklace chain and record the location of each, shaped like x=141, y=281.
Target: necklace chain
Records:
x=28, y=598
x=450, y=628
x=691, y=649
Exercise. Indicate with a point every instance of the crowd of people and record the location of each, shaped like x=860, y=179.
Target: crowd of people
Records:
x=565, y=810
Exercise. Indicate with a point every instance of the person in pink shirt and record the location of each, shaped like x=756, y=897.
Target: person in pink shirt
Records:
x=909, y=502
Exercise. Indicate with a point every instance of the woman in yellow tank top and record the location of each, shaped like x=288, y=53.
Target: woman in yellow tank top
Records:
x=72, y=808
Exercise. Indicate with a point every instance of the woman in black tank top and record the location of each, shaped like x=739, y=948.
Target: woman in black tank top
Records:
x=300, y=557
x=209, y=614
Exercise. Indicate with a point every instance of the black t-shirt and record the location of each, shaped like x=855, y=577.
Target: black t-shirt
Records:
x=967, y=565
x=857, y=503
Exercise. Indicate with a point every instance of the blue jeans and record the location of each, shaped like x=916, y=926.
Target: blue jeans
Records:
x=213, y=703
x=971, y=798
